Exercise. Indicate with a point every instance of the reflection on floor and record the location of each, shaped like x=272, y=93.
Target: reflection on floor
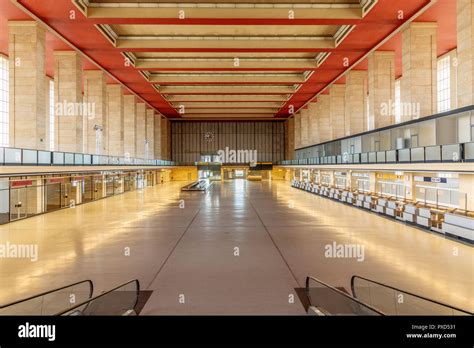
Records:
x=240, y=248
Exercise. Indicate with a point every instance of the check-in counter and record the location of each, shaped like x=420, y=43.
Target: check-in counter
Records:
x=344, y=195
x=423, y=217
x=391, y=208
x=459, y=226
x=360, y=200
x=367, y=202
x=437, y=220
x=325, y=191
x=381, y=205
x=410, y=212
x=350, y=198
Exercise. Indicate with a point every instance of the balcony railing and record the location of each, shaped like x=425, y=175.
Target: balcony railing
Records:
x=10, y=156
x=428, y=154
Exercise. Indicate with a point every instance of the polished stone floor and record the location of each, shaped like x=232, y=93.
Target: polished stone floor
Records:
x=241, y=248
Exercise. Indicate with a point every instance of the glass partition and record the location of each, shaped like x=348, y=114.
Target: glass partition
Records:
x=30, y=157
x=393, y=301
x=331, y=301
x=448, y=131
x=119, y=301
x=12, y=156
x=437, y=196
x=50, y=302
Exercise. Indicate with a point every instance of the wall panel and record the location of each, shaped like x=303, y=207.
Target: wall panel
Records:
x=191, y=140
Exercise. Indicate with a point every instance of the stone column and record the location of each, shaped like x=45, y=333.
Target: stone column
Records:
x=313, y=123
x=27, y=123
x=129, y=125
x=150, y=132
x=304, y=127
x=381, y=83
x=95, y=96
x=465, y=52
x=140, y=130
x=157, y=138
x=69, y=110
x=356, y=102
x=165, y=139
x=419, y=80
x=337, y=95
x=297, y=129
x=290, y=139
x=115, y=120
x=324, y=118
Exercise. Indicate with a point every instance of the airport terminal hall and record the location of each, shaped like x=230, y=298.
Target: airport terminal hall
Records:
x=290, y=158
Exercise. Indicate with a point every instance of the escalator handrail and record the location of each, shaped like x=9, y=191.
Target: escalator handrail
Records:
x=91, y=291
x=87, y=302
x=354, y=277
x=341, y=293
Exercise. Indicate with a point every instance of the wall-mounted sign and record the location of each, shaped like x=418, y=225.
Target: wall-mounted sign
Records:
x=55, y=180
x=20, y=183
x=360, y=175
x=387, y=176
x=430, y=179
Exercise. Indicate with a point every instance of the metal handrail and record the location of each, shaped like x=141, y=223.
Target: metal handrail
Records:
x=87, y=302
x=321, y=159
x=77, y=158
x=91, y=287
x=354, y=277
x=341, y=293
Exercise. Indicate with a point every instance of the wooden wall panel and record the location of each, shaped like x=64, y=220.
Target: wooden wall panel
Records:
x=192, y=139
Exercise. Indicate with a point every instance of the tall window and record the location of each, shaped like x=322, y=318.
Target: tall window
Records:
x=398, y=111
x=51, y=115
x=444, y=83
x=4, y=104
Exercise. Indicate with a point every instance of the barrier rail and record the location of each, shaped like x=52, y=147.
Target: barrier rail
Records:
x=10, y=156
x=429, y=154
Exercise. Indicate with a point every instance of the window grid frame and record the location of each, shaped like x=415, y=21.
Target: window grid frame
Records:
x=51, y=114
x=444, y=83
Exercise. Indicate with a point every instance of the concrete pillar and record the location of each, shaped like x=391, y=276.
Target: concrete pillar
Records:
x=337, y=95
x=27, y=123
x=165, y=140
x=129, y=125
x=150, y=133
x=381, y=84
x=465, y=52
x=115, y=120
x=324, y=118
x=290, y=139
x=157, y=137
x=419, y=81
x=356, y=102
x=304, y=115
x=313, y=123
x=297, y=129
x=69, y=110
x=140, y=130
x=95, y=96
